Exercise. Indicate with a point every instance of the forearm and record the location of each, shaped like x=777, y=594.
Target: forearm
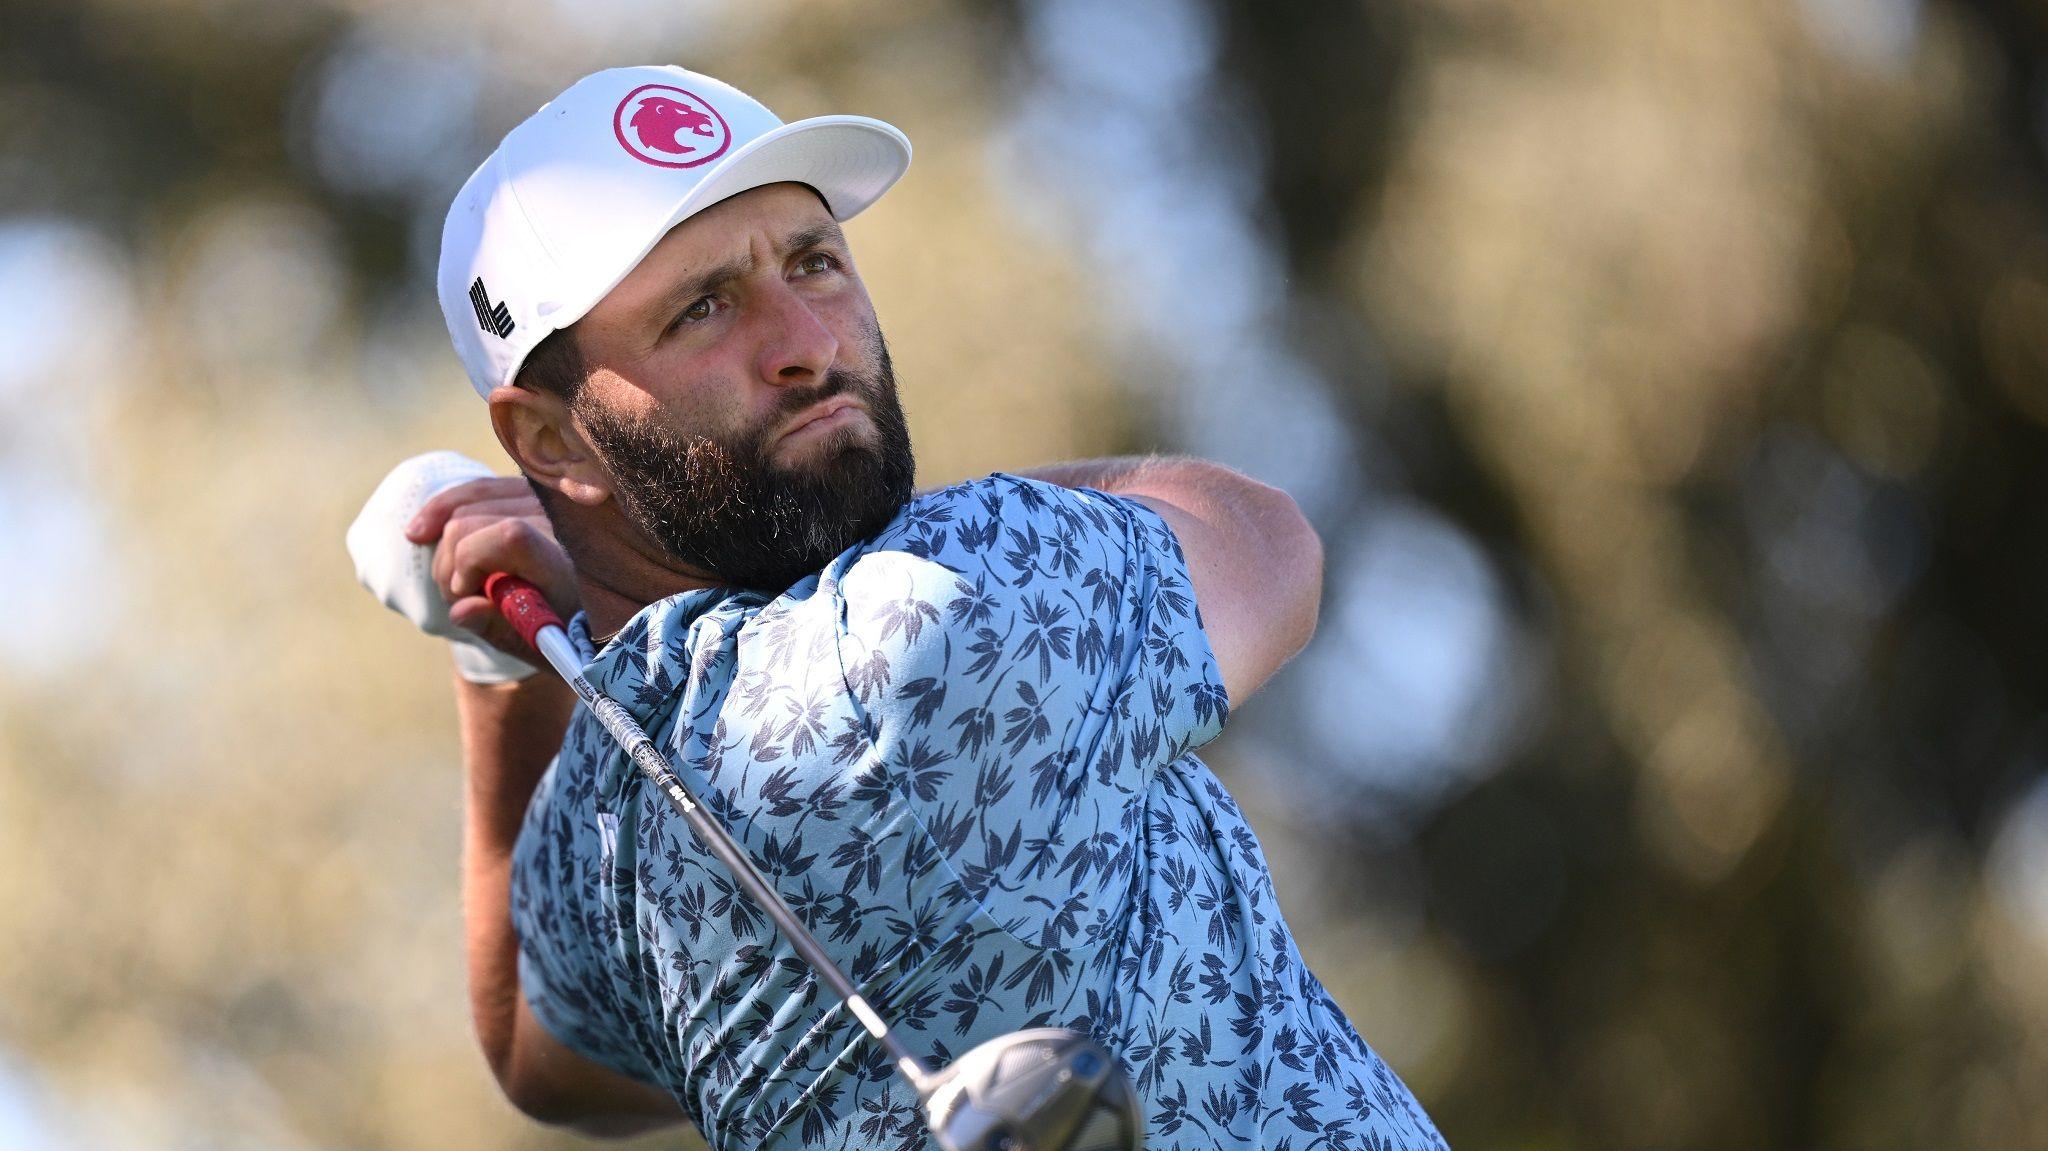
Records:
x=1103, y=474
x=510, y=733
x=1210, y=490
x=1285, y=542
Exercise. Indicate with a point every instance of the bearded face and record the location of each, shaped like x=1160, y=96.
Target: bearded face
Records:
x=722, y=505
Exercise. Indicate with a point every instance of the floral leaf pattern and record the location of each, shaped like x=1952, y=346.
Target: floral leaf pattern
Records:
x=963, y=753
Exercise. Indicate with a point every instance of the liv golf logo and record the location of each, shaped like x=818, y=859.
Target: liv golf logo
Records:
x=493, y=318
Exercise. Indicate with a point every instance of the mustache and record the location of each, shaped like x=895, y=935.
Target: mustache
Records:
x=837, y=381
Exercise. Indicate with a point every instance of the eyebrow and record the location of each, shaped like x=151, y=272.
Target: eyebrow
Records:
x=687, y=292
x=818, y=236
x=696, y=287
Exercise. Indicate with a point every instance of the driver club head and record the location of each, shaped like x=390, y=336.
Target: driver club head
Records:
x=1046, y=1089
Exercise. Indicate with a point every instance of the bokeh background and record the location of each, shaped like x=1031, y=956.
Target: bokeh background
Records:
x=1668, y=380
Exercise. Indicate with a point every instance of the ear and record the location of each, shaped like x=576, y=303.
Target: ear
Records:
x=539, y=434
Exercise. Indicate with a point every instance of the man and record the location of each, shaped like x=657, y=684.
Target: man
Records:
x=954, y=729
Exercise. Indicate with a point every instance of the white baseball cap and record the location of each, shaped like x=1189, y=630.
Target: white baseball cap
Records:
x=576, y=196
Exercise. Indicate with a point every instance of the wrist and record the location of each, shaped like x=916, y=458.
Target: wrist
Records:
x=510, y=733
x=478, y=662
x=502, y=700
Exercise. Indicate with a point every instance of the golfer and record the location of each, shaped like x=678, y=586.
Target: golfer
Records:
x=955, y=729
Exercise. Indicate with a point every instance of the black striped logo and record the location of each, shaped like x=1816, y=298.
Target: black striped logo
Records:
x=493, y=318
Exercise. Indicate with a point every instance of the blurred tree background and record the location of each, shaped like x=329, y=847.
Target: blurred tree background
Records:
x=1668, y=380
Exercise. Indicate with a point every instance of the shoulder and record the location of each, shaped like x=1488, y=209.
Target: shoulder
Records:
x=969, y=561
x=999, y=530
x=1005, y=534
x=1006, y=518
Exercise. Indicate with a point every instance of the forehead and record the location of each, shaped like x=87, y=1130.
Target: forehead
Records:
x=730, y=229
x=732, y=223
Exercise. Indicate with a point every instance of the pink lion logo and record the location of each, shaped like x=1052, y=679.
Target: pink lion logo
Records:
x=661, y=120
x=669, y=127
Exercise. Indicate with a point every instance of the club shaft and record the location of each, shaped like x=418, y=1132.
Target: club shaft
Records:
x=555, y=645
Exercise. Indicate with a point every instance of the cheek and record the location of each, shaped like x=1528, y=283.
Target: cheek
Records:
x=852, y=313
x=690, y=399
x=852, y=322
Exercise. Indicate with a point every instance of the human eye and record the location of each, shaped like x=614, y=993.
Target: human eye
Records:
x=817, y=263
x=699, y=310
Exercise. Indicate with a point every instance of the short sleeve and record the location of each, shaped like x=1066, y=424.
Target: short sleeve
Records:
x=562, y=928
x=1028, y=658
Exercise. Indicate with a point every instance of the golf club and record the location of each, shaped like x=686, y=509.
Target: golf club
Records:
x=1044, y=1089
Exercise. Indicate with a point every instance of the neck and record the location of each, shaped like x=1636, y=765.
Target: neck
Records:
x=618, y=572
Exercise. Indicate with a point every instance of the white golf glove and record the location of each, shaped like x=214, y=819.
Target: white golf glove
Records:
x=400, y=573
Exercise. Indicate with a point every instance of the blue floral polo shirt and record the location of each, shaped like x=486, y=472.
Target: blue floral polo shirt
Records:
x=963, y=752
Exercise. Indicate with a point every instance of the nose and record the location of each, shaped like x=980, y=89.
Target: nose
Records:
x=798, y=348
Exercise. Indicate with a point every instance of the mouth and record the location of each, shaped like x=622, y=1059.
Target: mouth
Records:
x=821, y=418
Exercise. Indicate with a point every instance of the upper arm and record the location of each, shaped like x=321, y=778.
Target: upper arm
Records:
x=1255, y=563
x=1019, y=624
x=1028, y=659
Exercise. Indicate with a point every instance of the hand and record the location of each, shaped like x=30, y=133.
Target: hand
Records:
x=401, y=570
x=485, y=525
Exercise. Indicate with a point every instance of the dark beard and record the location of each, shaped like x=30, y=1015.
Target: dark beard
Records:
x=725, y=509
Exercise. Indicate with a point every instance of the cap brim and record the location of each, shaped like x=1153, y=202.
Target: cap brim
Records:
x=850, y=160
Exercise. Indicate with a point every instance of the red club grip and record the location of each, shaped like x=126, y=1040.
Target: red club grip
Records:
x=522, y=605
